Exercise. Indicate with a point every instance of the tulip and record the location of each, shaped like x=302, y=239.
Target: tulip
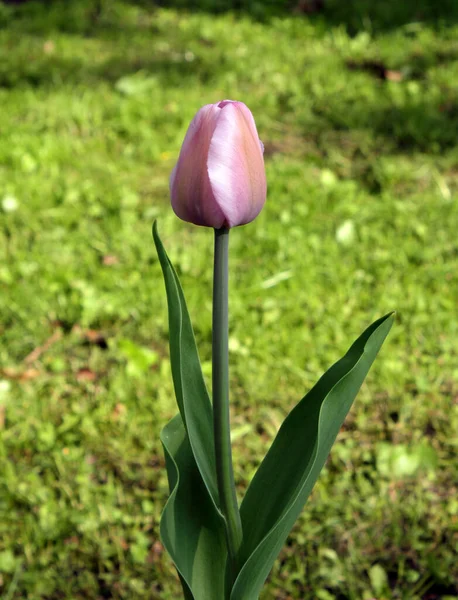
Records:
x=219, y=180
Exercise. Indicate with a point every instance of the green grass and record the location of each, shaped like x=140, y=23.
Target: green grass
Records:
x=359, y=116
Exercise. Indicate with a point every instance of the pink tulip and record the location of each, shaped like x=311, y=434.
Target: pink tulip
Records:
x=219, y=179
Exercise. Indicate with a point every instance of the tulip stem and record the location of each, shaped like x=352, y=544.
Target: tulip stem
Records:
x=221, y=418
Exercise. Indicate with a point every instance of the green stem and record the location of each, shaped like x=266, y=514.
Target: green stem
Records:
x=221, y=420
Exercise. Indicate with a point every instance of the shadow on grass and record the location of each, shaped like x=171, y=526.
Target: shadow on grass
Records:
x=55, y=71
x=355, y=15
x=422, y=124
x=384, y=15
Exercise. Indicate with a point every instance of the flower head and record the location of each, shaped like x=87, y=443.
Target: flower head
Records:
x=219, y=179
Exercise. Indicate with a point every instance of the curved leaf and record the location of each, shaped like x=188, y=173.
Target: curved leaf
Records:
x=287, y=474
x=192, y=529
x=190, y=389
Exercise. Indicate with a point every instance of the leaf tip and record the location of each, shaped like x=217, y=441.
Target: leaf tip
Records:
x=156, y=238
x=391, y=316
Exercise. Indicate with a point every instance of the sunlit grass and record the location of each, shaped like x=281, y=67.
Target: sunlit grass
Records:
x=360, y=137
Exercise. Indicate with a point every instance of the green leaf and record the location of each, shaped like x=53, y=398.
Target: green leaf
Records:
x=399, y=461
x=190, y=390
x=287, y=474
x=139, y=358
x=379, y=579
x=192, y=529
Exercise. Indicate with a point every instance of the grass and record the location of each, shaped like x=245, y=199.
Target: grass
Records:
x=359, y=120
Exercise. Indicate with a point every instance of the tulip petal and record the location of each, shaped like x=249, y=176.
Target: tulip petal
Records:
x=236, y=165
x=191, y=193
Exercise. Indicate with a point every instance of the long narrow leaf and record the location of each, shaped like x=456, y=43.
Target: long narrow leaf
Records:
x=190, y=389
x=287, y=474
x=192, y=529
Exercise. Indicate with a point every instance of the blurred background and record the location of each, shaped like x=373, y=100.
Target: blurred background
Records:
x=357, y=105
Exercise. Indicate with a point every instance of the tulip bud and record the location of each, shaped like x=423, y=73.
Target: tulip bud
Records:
x=219, y=179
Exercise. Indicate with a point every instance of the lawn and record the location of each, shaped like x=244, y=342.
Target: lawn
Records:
x=358, y=111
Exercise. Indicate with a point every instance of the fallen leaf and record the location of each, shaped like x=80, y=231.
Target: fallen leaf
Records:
x=109, y=260
x=155, y=552
x=49, y=47
x=35, y=354
x=393, y=75
x=86, y=374
x=95, y=337
x=73, y=540
x=11, y=373
x=124, y=545
x=376, y=68
x=119, y=410
x=309, y=7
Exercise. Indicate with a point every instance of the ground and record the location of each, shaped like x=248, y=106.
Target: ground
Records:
x=358, y=111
